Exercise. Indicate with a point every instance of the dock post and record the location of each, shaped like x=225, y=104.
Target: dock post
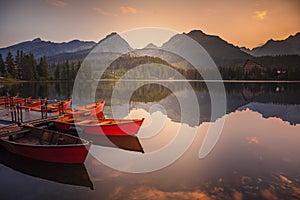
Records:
x=21, y=114
x=61, y=104
x=46, y=111
x=17, y=115
x=43, y=103
x=5, y=101
x=11, y=114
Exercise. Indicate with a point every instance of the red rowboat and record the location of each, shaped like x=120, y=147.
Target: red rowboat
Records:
x=45, y=145
x=117, y=127
x=20, y=100
x=72, y=174
x=87, y=110
x=54, y=107
x=8, y=100
x=33, y=104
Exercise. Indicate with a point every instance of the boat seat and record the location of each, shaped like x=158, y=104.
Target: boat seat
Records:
x=84, y=122
x=45, y=138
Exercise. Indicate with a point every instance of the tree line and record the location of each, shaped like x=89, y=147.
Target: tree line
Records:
x=66, y=70
x=24, y=66
x=286, y=67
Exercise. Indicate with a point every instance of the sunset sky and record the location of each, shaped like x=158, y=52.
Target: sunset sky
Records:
x=240, y=22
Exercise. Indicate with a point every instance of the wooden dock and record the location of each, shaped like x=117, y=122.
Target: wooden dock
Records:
x=15, y=115
x=9, y=117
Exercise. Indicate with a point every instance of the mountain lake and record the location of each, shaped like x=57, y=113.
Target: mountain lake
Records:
x=255, y=155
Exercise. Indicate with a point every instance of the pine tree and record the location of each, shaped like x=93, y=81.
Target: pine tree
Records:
x=32, y=65
x=28, y=65
x=27, y=72
x=63, y=73
x=57, y=72
x=2, y=65
x=45, y=68
x=67, y=68
x=9, y=62
x=42, y=69
x=18, y=63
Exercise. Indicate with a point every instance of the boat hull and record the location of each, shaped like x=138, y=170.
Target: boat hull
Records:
x=52, y=108
x=124, y=128
x=71, y=174
x=49, y=154
x=130, y=128
x=88, y=110
x=64, y=153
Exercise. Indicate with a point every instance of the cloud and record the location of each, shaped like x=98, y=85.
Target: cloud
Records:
x=267, y=194
x=57, y=3
x=253, y=140
x=151, y=193
x=261, y=15
x=103, y=12
x=128, y=10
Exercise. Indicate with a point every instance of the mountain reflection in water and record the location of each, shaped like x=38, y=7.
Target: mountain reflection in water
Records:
x=256, y=156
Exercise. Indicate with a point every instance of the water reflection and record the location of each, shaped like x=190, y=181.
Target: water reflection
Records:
x=256, y=157
x=289, y=113
x=52, y=90
x=72, y=174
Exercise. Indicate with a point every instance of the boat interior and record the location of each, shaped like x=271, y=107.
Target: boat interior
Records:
x=92, y=121
x=34, y=136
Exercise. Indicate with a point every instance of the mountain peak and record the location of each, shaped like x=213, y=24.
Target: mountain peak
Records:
x=150, y=46
x=113, y=43
x=196, y=32
x=108, y=36
x=296, y=36
x=288, y=46
x=37, y=40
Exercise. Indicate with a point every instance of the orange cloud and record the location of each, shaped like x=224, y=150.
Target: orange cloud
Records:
x=145, y=192
x=102, y=12
x=57, y=3
x=253, y=140
x=261, y=15
x=126, y=10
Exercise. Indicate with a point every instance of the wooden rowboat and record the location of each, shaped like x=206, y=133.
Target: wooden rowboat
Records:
x=54, y=107
x=20, y=100
x=87, y=110
x=25, y=103
x=33, y=104
x=8, y=101
x=100, y=126
x=45, y=145
x=71, y=174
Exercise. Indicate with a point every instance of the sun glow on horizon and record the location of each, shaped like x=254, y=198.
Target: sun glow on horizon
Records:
x=251, y=23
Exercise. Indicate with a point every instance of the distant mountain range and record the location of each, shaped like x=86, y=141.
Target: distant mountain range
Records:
x=222, y=52
x=40, y=48
x=289, y=46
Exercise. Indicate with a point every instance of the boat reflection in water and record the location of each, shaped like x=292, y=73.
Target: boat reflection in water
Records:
x=256, y=156
x=71, y=174
x=129, y=142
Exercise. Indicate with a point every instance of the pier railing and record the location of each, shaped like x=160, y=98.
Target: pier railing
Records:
x=16, y=106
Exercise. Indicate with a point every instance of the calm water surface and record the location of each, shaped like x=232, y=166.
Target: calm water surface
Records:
x=256, y=156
